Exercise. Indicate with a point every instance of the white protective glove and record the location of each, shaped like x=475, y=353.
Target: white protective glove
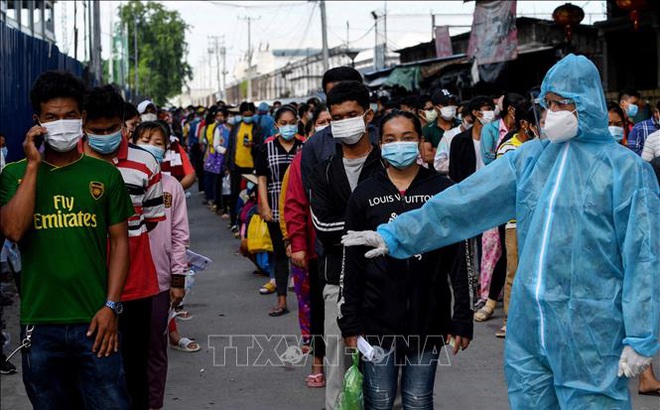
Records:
x=366, y=238
x=631, y=363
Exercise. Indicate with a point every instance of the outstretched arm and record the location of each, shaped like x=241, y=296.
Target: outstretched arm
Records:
x=484, y=200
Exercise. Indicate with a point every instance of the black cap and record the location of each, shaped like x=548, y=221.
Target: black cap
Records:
x=444, y=98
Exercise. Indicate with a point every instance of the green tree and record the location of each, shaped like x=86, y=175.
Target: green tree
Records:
x=162, y=49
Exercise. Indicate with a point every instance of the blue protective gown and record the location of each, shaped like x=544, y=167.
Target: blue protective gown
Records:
x=588, y=279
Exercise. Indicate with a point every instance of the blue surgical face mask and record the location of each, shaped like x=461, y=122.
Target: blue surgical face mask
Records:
x=247, y=120
x=374, y=107
x=632, y=110
x=5, y=151
x=400, y=154
x=616, y=132
x=288, y=131
x=250, y=185
x=157, y=152
x=104, y=144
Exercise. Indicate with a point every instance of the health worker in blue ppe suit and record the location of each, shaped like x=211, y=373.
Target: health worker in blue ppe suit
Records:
x=585, y=305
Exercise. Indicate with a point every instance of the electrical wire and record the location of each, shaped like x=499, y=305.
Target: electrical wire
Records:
x=304, y=36
x=255, y=6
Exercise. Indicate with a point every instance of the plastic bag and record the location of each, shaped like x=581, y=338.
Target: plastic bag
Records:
x=226, y=185
x=258, y=238
x=350, y=397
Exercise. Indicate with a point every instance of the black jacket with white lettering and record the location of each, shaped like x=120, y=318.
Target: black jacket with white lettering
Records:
x=330, y=192
x=384, y=296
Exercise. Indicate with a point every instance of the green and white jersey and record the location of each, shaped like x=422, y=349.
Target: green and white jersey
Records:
x=65, y=275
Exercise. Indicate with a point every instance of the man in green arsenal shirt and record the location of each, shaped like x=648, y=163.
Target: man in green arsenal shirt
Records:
x=68, y=212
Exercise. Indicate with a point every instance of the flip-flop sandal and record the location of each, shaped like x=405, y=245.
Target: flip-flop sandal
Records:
x=483, y=314
x=278, y=312
x=315, y=380
x=649, y=393
x=501, y=333
x=184, y=346
x=183, y=315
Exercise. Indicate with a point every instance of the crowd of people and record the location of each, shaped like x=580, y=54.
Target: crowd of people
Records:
x=446, y=191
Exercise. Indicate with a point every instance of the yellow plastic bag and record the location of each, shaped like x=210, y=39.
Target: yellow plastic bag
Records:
x=258, y=238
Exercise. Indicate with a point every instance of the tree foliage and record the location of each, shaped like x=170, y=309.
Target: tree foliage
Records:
x=162, y=49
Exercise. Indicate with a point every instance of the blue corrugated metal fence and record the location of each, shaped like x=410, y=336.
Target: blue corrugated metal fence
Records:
x=22, y=59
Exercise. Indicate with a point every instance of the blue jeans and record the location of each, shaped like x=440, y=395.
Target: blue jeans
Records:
x=61, y=372
x=417, y=379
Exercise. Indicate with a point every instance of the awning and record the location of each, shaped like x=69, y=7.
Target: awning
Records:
x=406, y=77
x=377, y=82
x=432, y=70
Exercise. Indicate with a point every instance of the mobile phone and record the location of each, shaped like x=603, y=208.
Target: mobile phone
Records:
x=39, y=139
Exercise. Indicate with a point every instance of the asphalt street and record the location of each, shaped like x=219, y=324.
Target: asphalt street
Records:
x=241, y=363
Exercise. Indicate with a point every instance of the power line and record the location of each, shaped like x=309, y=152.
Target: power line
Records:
x=254, y=6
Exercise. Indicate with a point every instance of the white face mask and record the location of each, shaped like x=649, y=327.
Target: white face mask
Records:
x=487, y=117
x=63, y=135
x=431, y=115
x=560, y=126
x=319, y=128
x=148, y=117
x=448, y=113
x=466, y=125
x=350, y=130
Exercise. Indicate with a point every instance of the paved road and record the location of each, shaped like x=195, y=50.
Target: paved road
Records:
x=225, y=301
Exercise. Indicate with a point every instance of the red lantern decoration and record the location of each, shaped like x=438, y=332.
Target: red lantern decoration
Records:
x=568, y=16
x=633, y=6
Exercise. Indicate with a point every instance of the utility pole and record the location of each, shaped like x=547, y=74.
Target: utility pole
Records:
x=90, y=37
x=75, y=29
x=347, y=39
x=223, y=52
x=96, y=53
x=111, y=65
x=385, y=32
x=135, y=53
x=432, y=25
x=376, y=53
x=324, y=34
x=249, y=55
x=217, y=50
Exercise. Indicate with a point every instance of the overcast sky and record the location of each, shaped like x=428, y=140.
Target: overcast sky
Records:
x=297, y=24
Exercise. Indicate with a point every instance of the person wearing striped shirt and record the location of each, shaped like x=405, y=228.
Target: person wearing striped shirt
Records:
x=651, y=147
x=103, y=123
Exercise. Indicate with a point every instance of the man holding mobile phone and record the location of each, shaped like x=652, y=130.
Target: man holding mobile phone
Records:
x=68, y=212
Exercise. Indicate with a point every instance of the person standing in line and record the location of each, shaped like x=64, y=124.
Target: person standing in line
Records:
x=168, y=241
x=103, y=123
x=131, y=119
x=56, y=206
x=331, y=184
x=641, y=131
x=245, y=140
x=493, y=134
x=402, y=306
x=273, y=160
x=265, y=120
x=445, y=105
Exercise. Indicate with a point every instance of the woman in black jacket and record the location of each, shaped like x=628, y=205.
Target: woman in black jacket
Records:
x=402, y=307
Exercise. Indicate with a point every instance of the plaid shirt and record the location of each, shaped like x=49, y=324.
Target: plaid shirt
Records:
x=272, y=162
x=640, y=132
